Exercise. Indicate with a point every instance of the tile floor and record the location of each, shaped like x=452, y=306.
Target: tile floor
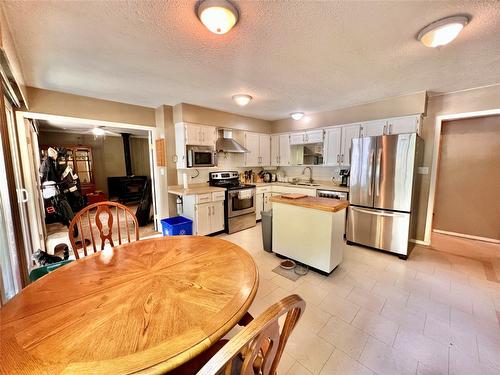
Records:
x=436, y=313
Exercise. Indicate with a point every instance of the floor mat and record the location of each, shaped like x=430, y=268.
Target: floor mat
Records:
x=289, y=274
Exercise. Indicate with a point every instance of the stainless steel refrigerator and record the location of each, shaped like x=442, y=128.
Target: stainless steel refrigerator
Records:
x=382, y=195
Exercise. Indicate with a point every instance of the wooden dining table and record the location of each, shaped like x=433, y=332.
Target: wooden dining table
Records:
x=143, y=307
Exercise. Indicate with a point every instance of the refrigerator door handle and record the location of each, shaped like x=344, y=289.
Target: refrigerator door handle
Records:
x=378, y=213
x=370, y=186
x=377, y=171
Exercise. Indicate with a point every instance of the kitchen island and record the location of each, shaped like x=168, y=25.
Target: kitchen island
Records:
x=309, y=230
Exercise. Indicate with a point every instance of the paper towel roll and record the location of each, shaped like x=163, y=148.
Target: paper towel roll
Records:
x=185, y=180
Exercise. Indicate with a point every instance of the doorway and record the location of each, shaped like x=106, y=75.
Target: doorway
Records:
x=466, y=217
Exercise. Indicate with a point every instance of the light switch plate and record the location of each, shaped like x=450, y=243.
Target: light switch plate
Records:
x=423, y=170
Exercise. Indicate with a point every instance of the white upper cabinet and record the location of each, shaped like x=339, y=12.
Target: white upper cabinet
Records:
x=402, y=125
x=280, y=149
x=397, y=125
x=332, y=148
x=284, y=146
x=275, y=149
x=297, y=138
x=373, y=128
x=265, y=149
x=259, y=147
x=200, y=135
x=348, y=133
x=314, y=136
x=310, y=136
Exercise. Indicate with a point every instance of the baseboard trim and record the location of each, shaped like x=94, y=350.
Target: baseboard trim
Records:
x=468, y=236
x=420, y=242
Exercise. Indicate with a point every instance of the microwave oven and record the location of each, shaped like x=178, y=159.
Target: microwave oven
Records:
x=201, y=156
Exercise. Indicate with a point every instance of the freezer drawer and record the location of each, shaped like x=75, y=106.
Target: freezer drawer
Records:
x=384, y=230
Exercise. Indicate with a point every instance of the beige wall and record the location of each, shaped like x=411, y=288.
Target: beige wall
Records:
x=468, y=183
x=7, y=44
x=62, y=104
x=473, y=100
x=200, y=115
x=391, y=107
x=107, y=154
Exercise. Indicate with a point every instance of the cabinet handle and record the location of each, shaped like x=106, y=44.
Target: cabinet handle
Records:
x=342, y=158
x=385, y=131
x=175, y=158
x=390, y=128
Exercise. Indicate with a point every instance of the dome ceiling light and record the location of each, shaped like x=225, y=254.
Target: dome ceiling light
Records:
x=442, y=32
x=297, y=115
x=219, y=16
x=242, y=99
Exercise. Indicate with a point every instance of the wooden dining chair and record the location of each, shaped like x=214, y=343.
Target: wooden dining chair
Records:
x=256, y=349
x=101, y=221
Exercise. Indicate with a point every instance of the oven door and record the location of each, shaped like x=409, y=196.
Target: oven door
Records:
x=240, y=202
x=201, y=157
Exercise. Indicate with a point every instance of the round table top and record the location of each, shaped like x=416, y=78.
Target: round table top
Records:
x=146, y=306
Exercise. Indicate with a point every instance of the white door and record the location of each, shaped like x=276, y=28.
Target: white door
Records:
x=403, y=125
x=333, y=140
x=193, y=135
x=252, y=157
x=314, y=136
x=265, y=149
x=217, y=216
x=202, y=217
x=284, y=147
x=259, y=205
x=208, y=135
x=267, y=201
x=373, y=128
x=297, y=138
x=348, y=133
x=275, y=150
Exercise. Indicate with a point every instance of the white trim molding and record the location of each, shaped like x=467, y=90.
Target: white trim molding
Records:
x=468, y=236
x=435, y=160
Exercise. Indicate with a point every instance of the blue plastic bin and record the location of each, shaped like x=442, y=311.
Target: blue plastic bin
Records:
x=177, y=226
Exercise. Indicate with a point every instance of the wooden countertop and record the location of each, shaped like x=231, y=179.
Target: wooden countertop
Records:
x=316, y=203
x=146, y=306
x=193, y=189
x=320, y=185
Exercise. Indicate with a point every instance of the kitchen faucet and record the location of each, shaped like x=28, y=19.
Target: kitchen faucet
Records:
x=310, y=174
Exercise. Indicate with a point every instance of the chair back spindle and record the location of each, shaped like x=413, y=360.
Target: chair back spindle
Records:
x=99, y=217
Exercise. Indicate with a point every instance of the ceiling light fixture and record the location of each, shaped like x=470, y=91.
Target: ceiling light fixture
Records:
x=242, y=99
x=297, y=115
x=442, y=32
x=219, y=16
x=98, y=132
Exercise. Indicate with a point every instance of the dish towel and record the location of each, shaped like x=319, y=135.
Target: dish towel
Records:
x=245, y=194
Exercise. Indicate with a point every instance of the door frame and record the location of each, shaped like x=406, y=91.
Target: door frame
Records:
x=436, y=151
x=151, y=135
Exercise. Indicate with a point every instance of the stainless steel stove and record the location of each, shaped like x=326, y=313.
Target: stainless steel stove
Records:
x=239, y=205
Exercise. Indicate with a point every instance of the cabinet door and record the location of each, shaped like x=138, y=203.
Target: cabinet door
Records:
x=193, y=134
x=259, y=205
x=265, y=149
x=180, y=146
x=374, y=128
x=267, y=201
x=332, y=150
x=284, y=155
x=297, y=138
x=403, y=125
x=202, y=217
x=208, y=135
x=314, y=136
x=275, y=150
x=349, y=132
x=217, y=217
x=252, y=157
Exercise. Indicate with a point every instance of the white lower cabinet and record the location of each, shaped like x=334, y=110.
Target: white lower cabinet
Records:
x=207, y=217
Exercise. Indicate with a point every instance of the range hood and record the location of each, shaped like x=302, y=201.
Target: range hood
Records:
x=226, y=143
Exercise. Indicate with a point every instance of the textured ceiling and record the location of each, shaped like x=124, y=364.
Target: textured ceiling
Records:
x=290, y=55
x=83, y=128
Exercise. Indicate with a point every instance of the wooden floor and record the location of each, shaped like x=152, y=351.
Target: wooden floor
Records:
x=488, y=254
